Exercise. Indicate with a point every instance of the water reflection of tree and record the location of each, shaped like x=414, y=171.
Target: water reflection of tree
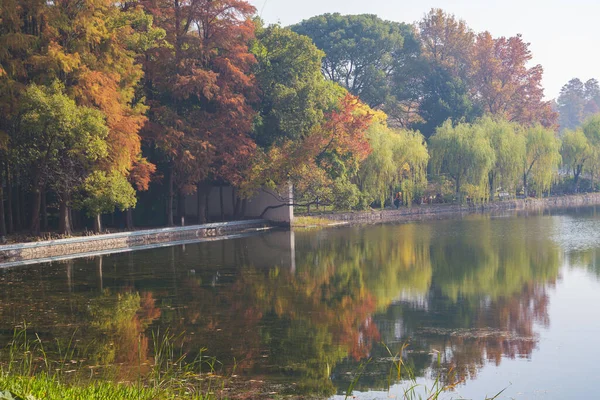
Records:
x=116, y=324
x=488, y=290
x=588, y=259
x=94, y=329
x=470, y=289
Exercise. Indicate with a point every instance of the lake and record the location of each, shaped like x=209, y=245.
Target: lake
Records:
x=474, y=305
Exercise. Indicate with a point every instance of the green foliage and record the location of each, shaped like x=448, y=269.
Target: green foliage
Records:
x=575, y=151
x=63, y=143
x=53, y=126
x=464, y=152
x=295, y=95
x=346, y=195
x=43, y=386
x=102, y=192
x=509, y=148
x=444, y=96
x=577, y=101
x=360, y=51
x=398, y=159
x=542, y=158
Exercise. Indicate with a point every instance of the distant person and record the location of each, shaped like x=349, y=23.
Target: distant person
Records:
x=398, y=200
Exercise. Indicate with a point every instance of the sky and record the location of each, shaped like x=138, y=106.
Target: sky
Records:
x=564, y=35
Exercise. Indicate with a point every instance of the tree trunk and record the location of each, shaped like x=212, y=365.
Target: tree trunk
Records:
x=170, y=196
x=491, y=182
x=75, y=218
x=2, y=217
x=100, y=273
x=35, y=205
x=244, y=205
x=23, y=208
x=458, y=192
x=129, y=219
x=18, y=205
x=9, y=194
x=236, y=203
x=233, y=201
x=44, y=212
x=64, y=217
x=200, y=189
x=207, y=203
x=221, y=202
x=181, y=208
x=525, y=185
x=98, y=223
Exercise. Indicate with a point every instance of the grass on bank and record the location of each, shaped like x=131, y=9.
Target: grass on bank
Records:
x=311, y=222
x=44, y=386
x=29, y=372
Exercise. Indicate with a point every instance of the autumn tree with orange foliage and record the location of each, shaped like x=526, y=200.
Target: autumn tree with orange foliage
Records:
x=322, y=165
x=90, y=47
x=505, y=86
x=200, y=91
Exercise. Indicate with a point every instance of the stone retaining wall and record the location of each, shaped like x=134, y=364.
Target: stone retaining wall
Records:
x=439, y=210
x=123, y=240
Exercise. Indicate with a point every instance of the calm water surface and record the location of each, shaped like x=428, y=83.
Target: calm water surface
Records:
x=490, y=302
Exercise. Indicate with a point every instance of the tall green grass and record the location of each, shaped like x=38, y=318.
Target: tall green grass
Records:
x=29, y=372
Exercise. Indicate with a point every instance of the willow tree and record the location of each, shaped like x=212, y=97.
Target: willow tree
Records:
x=576, y=152
x=465, y=154
x=542, y=158
x=591, y=130
x=509, y=148
x=398, y=158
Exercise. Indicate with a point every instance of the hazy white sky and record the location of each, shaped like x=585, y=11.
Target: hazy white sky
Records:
x=564, y=35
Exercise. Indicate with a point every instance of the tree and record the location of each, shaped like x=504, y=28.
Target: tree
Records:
x=61, y=142
x=504, y=85
x=577, y=101
x=398, y=159
x=447, y=42
x=591, y=130
x=463, y=152
x=91, y=48
x=575, y=152
x=202, y=74
x=570, y=104
x=509, y=149
x=294, y=94
x=322, y=165
x=360, y=51
x=445, y=96
x=102, y=192
x=542, y=158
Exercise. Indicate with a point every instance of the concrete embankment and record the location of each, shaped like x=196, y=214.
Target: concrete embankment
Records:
x=447, y=210
x=34, y=252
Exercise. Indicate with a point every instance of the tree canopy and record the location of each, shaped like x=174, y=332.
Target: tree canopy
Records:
x=175, y=97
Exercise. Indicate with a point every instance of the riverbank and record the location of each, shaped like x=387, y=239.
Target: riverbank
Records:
x=61, y=249
x=434, y=211
x=83, y=246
